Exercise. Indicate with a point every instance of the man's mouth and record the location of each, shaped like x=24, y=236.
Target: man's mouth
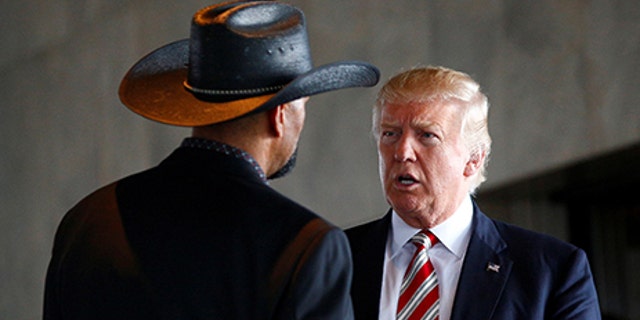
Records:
x=407, y=180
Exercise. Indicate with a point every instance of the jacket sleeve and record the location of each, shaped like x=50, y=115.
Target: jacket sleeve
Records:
x=321, y=283
x=575, y=295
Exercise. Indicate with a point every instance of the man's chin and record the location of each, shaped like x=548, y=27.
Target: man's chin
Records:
x=286, y=168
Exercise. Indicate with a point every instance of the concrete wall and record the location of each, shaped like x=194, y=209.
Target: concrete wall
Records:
x=562, y=77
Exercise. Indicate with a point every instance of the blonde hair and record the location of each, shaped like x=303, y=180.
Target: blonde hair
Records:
x=425, y=84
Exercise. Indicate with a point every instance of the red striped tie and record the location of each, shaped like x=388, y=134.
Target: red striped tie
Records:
x=419, y=298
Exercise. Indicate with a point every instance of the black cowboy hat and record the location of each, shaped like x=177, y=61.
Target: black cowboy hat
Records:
x=241, y=58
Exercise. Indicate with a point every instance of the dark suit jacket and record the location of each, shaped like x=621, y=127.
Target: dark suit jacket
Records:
x=198, y=237
x=539, y=277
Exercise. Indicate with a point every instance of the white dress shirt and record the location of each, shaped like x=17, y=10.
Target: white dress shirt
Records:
x=446, y=256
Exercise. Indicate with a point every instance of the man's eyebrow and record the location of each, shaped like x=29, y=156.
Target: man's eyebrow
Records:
x=422, y=123
x=389, y=123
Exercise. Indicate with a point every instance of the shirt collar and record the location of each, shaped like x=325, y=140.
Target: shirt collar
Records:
x=216, y=146
x=454, y=233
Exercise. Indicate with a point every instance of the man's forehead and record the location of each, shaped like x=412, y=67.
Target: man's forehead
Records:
x=420, y=114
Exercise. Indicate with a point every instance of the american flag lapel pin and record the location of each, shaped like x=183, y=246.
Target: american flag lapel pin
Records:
x=493, y=267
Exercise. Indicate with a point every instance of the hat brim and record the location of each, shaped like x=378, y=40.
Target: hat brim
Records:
x=153, y=88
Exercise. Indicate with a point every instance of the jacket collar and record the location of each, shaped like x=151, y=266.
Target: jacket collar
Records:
x=202, y=163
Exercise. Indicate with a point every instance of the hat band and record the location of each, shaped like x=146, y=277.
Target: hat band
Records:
x=215, y=92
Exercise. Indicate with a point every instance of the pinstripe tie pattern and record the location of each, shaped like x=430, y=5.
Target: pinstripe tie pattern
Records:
x=419, y=298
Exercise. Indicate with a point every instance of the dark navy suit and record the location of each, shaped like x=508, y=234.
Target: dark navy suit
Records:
x=200, y=236
x=509, y=273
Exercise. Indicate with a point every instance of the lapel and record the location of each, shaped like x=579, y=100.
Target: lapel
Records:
x=484, y=272
x=368, y=243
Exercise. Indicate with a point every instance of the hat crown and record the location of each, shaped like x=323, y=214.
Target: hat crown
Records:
x=246, y=49
x=241, y=58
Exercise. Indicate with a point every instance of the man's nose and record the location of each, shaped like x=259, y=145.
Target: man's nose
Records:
x=404, y=149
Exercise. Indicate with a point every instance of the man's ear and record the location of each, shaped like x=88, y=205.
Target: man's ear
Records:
x=476, y=160
x=277, y=120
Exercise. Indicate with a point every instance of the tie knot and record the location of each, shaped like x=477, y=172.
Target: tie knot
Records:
x=424, y=238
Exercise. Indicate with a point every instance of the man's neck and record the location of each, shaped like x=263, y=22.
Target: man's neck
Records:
x=241, y=135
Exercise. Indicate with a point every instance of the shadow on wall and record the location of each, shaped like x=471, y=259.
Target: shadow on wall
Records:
x=597, y=202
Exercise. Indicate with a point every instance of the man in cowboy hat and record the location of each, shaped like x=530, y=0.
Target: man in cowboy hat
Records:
x=202, y=235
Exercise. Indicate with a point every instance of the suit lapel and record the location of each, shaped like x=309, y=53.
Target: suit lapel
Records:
x=368, y=243
x=484, y=272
